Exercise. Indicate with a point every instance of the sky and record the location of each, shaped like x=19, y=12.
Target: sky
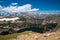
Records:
x=30, y=5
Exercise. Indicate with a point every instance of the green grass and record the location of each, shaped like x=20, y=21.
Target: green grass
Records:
x=11, y=36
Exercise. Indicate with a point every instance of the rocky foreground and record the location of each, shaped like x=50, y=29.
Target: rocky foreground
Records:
x=38, y=36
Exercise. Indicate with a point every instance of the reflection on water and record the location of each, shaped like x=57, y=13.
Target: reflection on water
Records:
x=34, y=29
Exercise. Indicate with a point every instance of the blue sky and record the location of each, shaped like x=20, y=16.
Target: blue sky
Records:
x=42, y=5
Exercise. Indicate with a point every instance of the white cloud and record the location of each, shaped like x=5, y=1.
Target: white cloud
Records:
x=50, y=12
x=23, y=8
x=10, y=9
x=34, y=9
x=1, y=8
x=14, y=3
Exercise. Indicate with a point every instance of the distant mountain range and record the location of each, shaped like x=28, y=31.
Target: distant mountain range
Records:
x=2, y=13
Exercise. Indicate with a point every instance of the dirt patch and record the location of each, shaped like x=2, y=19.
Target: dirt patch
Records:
x=38, y=36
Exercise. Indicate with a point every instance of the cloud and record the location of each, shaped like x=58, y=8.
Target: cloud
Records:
x=50, y=12
x=23, y=8
x=1, y=8
x=10, y=9
x=14, y=3
x=35, y=9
